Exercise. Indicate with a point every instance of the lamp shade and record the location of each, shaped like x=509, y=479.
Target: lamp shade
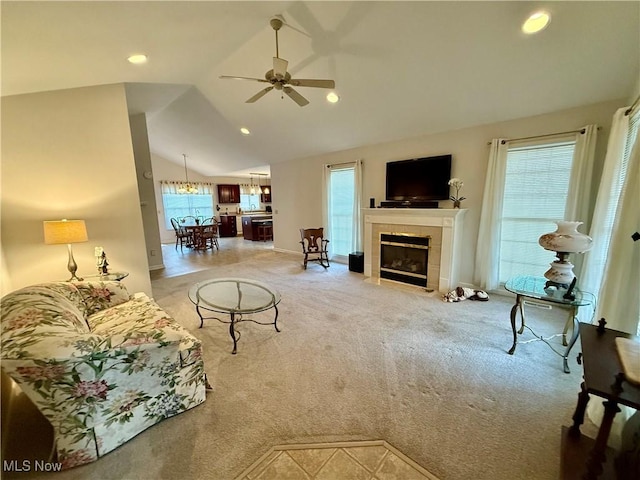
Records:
x=64, y=231
x=566, y=239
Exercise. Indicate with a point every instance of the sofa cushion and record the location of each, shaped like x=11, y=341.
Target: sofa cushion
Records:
x=137, y=322
x=102, y=295
x=53, y=308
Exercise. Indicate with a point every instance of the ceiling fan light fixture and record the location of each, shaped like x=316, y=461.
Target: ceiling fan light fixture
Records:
x=536, y=22
x=137, y=59
x=245, y=131
x=333, y=97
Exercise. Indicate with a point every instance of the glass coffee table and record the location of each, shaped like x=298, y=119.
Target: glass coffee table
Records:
x=236, y=297
x=534, y=288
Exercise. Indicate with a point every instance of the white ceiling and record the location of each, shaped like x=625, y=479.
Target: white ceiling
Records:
x=401, y=68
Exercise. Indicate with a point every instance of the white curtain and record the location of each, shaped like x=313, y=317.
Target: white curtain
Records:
x=579, y=194
x=619, y=297
x=171, y=186
x=579, y=206
x=326, y=210
x=611, y=267
x=488, y=247
x=602, y=224
x=357, y=207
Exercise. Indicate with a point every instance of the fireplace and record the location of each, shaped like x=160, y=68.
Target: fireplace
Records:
x=443, y=228
x=404, y=258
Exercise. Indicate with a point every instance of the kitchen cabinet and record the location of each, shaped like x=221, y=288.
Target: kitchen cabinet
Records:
x=228, y=227
x=228, y=193
x=250, y=225
x=266, y=197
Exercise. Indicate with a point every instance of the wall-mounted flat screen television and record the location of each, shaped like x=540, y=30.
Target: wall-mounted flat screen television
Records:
x=419, y=179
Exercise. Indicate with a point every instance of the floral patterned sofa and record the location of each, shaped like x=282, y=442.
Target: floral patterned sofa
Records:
x=101, y=365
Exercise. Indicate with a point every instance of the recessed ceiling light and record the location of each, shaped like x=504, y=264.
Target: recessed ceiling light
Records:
x=536, y=22
x=333, y=97
x=245, y=131
x=137, y=59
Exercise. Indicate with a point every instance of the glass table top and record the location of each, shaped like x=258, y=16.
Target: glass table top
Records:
x=108, y=276
x=234, y=295
x=533, y=287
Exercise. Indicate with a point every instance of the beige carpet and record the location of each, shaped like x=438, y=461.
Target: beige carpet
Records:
x=358, y=361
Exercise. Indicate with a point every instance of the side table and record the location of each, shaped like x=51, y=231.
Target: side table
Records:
x=108, y=277
x=602, y=377
x=533, y=287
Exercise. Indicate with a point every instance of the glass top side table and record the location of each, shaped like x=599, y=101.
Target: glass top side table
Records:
x=236, y=297
x=534, y=287
x=108, y=276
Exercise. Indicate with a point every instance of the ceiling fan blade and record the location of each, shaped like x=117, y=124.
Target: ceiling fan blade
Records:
x=229, y=77
x=295, y=96
x=260, y=94
x=307, y=82
x=280, y=67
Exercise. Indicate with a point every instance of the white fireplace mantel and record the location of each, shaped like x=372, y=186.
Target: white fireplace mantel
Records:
x=447, y=222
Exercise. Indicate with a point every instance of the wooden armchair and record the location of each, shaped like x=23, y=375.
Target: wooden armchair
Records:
x=314, y=246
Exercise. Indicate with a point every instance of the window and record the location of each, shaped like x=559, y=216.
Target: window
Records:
x=535, y=195
x=249, y=202
x=178, y=205
x=341, y=193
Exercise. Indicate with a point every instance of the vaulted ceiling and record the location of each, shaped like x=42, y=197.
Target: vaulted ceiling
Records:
x=401, y=68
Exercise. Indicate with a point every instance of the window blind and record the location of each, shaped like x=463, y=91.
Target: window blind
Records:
x=181, y=205
x=535, y=195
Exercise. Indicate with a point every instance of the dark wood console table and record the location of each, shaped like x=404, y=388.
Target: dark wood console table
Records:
x=582, y=458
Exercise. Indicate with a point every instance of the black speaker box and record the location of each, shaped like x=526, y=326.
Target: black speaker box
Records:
x=356, y=262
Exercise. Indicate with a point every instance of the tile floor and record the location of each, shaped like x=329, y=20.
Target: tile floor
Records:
x=232, y=249
x=370, y=460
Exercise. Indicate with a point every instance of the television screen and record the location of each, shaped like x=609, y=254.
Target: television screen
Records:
x=419, y=179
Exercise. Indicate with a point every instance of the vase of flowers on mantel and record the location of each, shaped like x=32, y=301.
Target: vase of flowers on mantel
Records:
x=457, y=184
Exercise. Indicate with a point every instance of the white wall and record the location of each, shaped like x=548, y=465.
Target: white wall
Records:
x=146, y=191
x=298, y=183
x=68, y=154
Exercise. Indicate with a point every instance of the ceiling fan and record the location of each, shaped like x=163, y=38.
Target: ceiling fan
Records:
x=280, y=79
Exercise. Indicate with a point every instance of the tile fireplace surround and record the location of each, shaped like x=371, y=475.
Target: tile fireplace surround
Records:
x=443, y=226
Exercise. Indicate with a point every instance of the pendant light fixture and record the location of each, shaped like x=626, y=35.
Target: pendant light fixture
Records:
x=261, y=189
x=186, y=187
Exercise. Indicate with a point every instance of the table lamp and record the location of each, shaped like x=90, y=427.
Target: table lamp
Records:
x=57, y=232
x=564, y=241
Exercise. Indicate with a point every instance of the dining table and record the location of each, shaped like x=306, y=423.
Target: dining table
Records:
x=199, y=233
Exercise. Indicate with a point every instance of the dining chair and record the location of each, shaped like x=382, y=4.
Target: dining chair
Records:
x=182, y=236
x=210, y=234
